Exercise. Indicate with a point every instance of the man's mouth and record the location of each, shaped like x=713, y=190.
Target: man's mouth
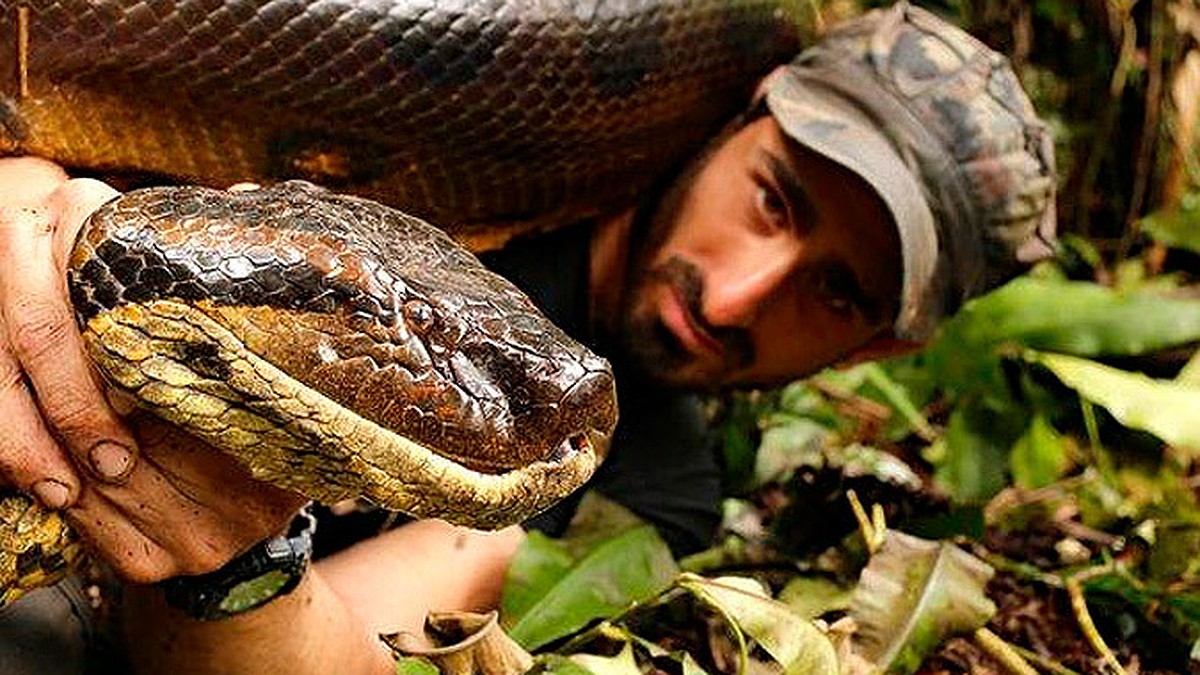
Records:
x=677, y=316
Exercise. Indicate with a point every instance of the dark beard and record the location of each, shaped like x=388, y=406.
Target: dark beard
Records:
x=656, y=351
x=646, y=343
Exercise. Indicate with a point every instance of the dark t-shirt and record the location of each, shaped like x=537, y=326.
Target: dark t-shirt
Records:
x=662, y=464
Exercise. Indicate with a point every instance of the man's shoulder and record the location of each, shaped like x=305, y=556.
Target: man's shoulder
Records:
x=552, y=269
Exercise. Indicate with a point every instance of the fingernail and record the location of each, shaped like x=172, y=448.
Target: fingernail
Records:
x=110, y=461
x=51, y=493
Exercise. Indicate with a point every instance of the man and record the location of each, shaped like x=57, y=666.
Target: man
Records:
x=876, y=183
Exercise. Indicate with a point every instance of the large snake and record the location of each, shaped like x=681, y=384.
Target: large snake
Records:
x=333, y=345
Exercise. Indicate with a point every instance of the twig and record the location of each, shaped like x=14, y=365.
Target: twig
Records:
x=1079, y=606
x=899, y=400
x=1003, y=652
x=852, y=404
x=23, y=51
x=1099, y=454
x=873, y=530
x=1108, y=118
x=1045, y=663
x=1146, y=145
x=1020, y=570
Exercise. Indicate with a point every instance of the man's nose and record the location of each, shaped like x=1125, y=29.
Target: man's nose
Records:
x=735, y=295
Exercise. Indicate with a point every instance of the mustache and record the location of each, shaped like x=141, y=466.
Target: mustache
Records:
x=687, y=280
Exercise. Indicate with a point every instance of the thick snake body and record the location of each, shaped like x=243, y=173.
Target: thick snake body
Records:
x=332, y=345
x=472, y=114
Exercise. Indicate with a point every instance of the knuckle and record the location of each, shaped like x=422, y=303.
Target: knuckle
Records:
x=14, y=219
x=73, y=415
x=204, y=559
x=28, y=458
x=146, y=566
x=12, y=378
x=39, y=326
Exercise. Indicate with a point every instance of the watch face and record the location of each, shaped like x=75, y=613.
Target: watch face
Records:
x=268, y=570
x=254, y=592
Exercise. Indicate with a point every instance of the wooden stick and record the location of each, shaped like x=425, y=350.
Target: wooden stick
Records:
x=1003, y=652
x=1079, y=606
x=1045, y=663
x=23, y=51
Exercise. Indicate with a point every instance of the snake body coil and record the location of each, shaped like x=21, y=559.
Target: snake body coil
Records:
x=468, y=113
x=334, y=346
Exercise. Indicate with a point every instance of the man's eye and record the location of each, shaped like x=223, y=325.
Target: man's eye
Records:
x=838, y=290
x=772, y=207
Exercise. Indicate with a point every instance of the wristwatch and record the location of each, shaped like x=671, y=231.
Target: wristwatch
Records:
x=271, y=569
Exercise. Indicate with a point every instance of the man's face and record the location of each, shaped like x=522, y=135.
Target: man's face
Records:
x=763, y=263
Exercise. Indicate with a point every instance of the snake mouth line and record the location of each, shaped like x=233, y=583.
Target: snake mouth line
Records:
x=289, y=434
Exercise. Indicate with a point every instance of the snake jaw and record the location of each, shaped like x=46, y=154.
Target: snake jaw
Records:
x=372, y=357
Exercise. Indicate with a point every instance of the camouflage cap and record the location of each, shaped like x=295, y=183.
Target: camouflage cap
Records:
x=937, y=123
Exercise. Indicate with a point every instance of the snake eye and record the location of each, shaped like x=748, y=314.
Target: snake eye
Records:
x=418, y=314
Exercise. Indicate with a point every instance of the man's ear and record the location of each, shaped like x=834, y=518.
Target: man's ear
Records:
x=764, y=84
x=879, y=347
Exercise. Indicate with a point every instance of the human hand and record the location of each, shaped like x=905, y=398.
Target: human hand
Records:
x=183, y=508
x=50, y=397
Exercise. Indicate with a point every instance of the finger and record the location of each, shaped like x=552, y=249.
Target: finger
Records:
x=71, y=205
x=132, y=554
x=43, y=337
x=196, y=503
x=27, y=181
x=30, y=459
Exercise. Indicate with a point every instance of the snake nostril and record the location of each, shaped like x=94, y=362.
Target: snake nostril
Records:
x=590, y=408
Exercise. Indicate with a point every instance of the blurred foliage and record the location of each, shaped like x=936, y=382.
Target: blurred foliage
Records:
x=1046, y=433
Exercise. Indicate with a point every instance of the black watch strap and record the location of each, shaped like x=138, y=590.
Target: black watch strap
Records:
x=271, y=569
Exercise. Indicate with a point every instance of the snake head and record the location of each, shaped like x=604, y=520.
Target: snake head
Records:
x=347, y=349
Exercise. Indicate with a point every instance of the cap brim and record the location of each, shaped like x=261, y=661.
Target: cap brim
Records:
x=826, y=122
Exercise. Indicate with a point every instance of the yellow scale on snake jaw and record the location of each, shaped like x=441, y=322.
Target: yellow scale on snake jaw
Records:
x=321, y=448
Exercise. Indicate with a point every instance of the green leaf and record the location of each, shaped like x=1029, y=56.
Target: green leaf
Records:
x=1062, y=316
x=786, y=447
x=1039, y=457
x=974, y=454
x=556, y=664
x=1175, y=228
x=914, y=594
x=1173, y=609
x=1164, y=408
x=628, y=568
x=794, y=642
x=739, y=447
x=596, y=520
x=897, y=396
x=810, y=597
x=621, y=664
x=1190, y=373
x=538, y=566
x=415, y=665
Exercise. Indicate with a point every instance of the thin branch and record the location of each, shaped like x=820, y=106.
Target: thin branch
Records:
x=23, y=51
x=1102, y=140
x=1088, y=627
x=871, y=537
x=1099, y=455
x=1150, y=131
x=1003, y=652
x=1045, y=663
